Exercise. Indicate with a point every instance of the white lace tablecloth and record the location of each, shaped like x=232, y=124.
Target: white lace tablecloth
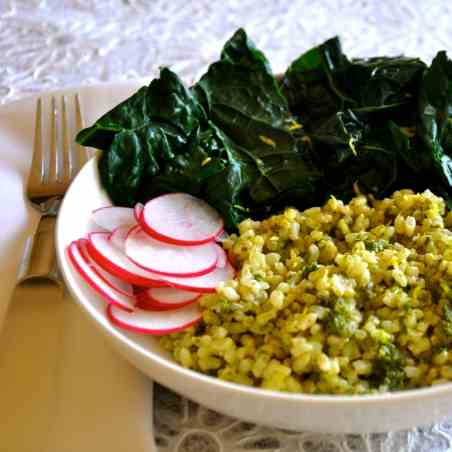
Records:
x=45, y=44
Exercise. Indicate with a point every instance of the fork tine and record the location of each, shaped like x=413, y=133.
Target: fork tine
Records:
x=54, y=173
x=38, y=164
x=66, y=160
x=81, y=151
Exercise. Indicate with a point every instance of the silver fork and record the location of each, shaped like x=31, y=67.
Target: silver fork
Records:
x=50, y=175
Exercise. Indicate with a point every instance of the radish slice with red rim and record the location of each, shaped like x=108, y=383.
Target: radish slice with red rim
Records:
x=181, y=219
x=166, y=259
x=220, y=238
x=222, y=257
x=118, y=236
x=137, y=211
x=168, y=297
x=150, y=305
x=118, y=239
x=205, y=283
x=112, y=259
x=111, y=217
x=155, y=322
x=115, y=283
x=88, y=271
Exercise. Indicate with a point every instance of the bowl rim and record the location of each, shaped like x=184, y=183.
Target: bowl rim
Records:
x=319, y=399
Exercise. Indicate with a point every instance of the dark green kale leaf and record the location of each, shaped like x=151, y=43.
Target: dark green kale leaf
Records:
x=356, y=149
x=227, y=140
x=309, y=82
x=323, y=81
x=383, y=82
x=243, y=99
x=379, y=124
x=165, y=100
x=251, y=146
x=227, y=188
x=435, y=108
x=241, y=83
x=424, y=149
x=145, y=136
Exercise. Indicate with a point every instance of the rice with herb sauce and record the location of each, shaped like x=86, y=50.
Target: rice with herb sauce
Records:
x=343, y=299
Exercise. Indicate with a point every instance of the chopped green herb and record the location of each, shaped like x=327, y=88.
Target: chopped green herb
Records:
x=223, y=306
x=389, y=367
x=342, y=320
x=439, y=349
x=376, y=245
x=310, y=268
x=447, y=320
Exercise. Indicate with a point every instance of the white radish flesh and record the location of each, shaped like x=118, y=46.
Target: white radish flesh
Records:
x=220, y=238
x=155, y=322
x=168, y=297
x=137, y=211
x=166, y=259
x=181, y=219
x=222, y=257
x=115, y=283
x=118, y=237
x=112, y=259
x=87, y=269
x=205, y=283
x=111, y=217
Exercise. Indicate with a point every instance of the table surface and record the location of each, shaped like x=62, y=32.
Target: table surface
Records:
x=48, y=44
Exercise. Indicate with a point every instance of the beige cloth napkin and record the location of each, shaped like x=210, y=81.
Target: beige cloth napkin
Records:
x=62, y=389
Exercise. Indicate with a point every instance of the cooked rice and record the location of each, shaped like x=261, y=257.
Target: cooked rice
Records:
x=348, y=299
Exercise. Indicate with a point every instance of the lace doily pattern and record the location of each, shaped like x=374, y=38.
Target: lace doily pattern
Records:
x=183, y=426
x=47, y=44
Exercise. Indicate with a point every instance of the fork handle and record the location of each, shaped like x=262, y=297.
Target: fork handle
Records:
x=39, y=258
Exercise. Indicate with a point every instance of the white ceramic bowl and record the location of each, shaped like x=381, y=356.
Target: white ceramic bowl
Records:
x=345, y=414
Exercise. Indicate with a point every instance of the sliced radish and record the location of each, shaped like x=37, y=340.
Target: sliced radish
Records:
x=115, y=283
x=89, y=273
x=154, y=322
x=138, y=289
x=167, y=297
x=111, y=217
x=150, y=305
x=147, y=305
x=118, y=237
x=137, y=211
x=220, y=238
x=112, y=259
x=181, y=219
x=165, y=259
x=222, y=257
x=205, y=283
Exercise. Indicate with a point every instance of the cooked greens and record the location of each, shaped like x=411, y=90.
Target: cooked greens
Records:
x=250, y=144
x=384, y=123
